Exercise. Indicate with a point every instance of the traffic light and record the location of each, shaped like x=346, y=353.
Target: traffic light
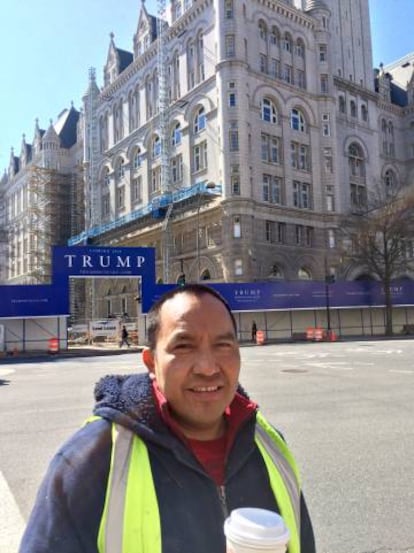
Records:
x=181, y=280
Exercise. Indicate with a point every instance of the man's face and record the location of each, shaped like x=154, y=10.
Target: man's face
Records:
x=196, y=362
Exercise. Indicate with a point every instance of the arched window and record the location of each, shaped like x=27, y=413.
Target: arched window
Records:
x=137, y=160
x=297, y=120
x=275, y=36
x=156, y=146
x=176, y=134
x=352, y=108
x=390, y=182
x=287, y=42
x=390, y=128
x=262, y=30
x=199, y=122
x=107, y=178
x=383, y=126
x=356, y=160
x=205, y=275
x=268, y=111
x=120, y=169
x=304, y=274
x=300, y=48
x=342, y=104
x=364, y=112
x=276, y=271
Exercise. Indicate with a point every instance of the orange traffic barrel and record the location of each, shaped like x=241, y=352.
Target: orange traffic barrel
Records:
x=53, y=345
x=318, y=334
x=310, y=333
x=260, y=337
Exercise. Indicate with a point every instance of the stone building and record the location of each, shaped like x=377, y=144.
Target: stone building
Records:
x=42, y=199
x=235, y=147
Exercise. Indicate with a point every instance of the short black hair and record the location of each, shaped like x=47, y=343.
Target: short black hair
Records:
x=153, y=317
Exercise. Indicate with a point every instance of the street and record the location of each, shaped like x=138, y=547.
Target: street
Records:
x=345, y=408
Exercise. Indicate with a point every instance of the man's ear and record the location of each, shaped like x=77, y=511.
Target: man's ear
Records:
x=148, y=359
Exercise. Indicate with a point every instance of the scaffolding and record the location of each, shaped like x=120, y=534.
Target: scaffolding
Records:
x=47, y=221
x=163, y=104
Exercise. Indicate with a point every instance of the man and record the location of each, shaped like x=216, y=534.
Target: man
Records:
x=170, y=453
x=124, y=337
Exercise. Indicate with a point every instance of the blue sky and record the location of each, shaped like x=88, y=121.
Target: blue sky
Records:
x=48, y=46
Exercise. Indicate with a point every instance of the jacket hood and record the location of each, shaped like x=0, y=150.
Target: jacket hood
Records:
x=128, y=400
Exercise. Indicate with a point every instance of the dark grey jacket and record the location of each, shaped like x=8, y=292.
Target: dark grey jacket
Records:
x=69, y=505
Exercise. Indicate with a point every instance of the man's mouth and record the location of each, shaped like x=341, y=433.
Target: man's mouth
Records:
x=204, y=389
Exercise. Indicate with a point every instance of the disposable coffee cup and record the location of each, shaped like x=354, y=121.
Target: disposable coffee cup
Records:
x=251, y=530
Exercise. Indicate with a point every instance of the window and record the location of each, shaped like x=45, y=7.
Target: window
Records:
x=232, y=99
x=136, y=189
x=238, y=267
x=274, y=37
x=342, y=104
x=268, y=111
x=272, y=189
x=326, y=127
x=287, y=43
x=120, y=197
x=176, y=135
x=300, y=48
x=356, y=161
x=235, y=180
x=287, y=73
x=199, y=121
x=176, y=169
x=364, y=112
x=331, y=238
x=270, y=148
x=275, y=233
x=200, y=157
x=156, y=146
x=324, y=84
x=106, y=205
x=228, y=9
x=300, y=156
x=274, y=68
x=120, y=169
x=137, y=160
x=352, y=108
x=301, y=195
x=358, y=196
x=304, y=274
x=230, y=46
x=262, y=30
x=236, y=227
x=323, y=53
x=300, y=78
x=155, y=179
x=263, y=63
x=297, y=121
x=233, y=137
x=390, y=182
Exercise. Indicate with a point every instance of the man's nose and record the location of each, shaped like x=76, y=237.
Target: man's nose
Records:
x=205, y=362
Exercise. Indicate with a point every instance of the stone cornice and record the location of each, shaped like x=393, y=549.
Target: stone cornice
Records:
x=344, y=84
x=289, y=12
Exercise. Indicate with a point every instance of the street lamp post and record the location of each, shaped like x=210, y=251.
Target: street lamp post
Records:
x=202, y=187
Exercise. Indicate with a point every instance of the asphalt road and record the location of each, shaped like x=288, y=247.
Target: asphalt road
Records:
x=346, y=409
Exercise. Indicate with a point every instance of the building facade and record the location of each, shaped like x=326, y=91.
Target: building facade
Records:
x=235, y=135
x=42, y=199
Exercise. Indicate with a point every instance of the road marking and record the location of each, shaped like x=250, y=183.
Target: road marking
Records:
x=11, y=520
x=5, y=372
x=401, y=371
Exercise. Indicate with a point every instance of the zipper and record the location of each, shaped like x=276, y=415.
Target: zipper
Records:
x=222, y=498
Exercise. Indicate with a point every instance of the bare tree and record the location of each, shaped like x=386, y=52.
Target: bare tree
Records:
x=379, y=238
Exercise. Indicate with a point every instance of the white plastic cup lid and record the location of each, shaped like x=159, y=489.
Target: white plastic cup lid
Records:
x=256, y=527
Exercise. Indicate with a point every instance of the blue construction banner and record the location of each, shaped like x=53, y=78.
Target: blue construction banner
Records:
x=42, y=300
x=281, y=295
x=99, y=261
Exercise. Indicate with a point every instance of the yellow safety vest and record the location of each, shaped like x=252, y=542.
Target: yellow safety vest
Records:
x=130, y=521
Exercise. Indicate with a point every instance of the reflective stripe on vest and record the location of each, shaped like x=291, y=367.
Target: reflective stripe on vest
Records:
x=130, y=521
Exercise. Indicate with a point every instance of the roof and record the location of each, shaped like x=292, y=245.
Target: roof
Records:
x=125, y=59
x=65, y=127
x=401, y=70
